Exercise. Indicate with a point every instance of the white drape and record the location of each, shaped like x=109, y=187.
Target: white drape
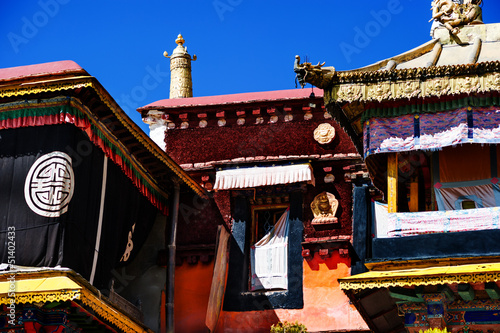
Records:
x=269, y=258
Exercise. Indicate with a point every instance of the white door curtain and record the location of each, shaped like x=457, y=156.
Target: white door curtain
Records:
x=269, y=257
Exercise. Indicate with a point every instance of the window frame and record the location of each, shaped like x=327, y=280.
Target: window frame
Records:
x=257, y=208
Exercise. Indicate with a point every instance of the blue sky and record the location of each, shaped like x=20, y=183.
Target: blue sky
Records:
x=242, y=45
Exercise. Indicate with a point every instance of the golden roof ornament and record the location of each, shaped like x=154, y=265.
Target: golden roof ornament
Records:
x=180, y=40
x=181, y=85
x=453, y=14
x=316, y=74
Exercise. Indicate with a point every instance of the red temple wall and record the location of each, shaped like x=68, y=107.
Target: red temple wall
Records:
x=192, y=291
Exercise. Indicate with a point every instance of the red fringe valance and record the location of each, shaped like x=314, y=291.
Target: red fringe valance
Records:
x=85, y=125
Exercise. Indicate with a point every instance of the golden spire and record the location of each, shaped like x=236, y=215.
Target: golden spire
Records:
x=181, y=83
x=180, y=40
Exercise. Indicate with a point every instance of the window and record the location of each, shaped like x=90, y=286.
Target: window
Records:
x=468, y=204
x=247, y=206
x=263, y=220
x=269, y=248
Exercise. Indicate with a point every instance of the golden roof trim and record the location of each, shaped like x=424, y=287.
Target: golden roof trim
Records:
x=327, y=78
x=107, y=312
x=407, y=89
x=476, y=273
x=429, y=262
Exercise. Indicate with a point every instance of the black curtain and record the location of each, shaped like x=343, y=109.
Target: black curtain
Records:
x=66, y=237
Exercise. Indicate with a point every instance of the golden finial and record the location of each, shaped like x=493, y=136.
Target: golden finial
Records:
x=179, y=40
x=181, y=85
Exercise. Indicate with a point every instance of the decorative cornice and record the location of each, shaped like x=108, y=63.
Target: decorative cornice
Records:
x=348, y=85
x=261, y=159
x=407, y=89
x=109, y=314
x=42, y=297
x=237, y=116
x=46, y=86
x=421, y=73
x=480, y=273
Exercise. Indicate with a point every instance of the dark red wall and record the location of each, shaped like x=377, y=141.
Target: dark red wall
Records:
x=195, y=145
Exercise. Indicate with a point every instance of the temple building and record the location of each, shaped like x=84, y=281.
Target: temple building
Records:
x=85, y=201
x=281, y=172
x=427, y=124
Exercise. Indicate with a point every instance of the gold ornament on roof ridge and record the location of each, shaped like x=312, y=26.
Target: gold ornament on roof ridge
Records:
x=180, y=40
x=452, y=15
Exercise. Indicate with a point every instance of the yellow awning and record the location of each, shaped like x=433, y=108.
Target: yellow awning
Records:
x=477, y=273
x=58, y=283
x=49, y=289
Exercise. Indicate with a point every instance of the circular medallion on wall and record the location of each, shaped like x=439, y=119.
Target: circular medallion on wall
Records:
x=324, y=133
x=50, y=184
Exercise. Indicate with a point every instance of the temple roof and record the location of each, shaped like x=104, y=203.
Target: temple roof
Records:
x=64, y=67
x=449, y=67
x=66, y=85
x=471, y=45
x=445, y=55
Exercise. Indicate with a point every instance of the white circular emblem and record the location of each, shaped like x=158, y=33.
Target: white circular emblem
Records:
x=324, y=133
x=50, y=184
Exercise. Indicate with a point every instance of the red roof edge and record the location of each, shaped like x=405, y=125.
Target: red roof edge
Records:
x=243, y=98
x=49, y=68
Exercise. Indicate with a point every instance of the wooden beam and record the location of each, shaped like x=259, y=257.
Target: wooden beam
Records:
x=392, y=182
x=447, y=292
x=405, y=294
x=466, y=292
x=492, y=290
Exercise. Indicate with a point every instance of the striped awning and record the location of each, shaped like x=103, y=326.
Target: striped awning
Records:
x=263, y=176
